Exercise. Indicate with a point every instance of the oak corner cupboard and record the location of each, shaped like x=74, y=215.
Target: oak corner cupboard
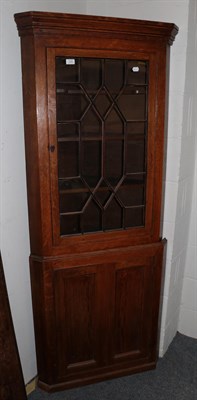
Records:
x=95, y=94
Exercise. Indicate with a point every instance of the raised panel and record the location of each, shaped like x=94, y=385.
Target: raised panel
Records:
x=129, y=309
x=133, y=309
x=75, y=315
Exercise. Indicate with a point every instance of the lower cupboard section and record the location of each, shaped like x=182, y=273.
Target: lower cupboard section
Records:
x=97, y=315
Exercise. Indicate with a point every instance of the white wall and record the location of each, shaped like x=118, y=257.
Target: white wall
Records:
x=14, y=222
x=183, y=151
x=188, y=311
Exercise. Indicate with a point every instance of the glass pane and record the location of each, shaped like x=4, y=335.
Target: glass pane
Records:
x=91, y=75
x=132, y=103
x=73, y=195
x=72, y=185
x=136, y=128
x=113, y=161
x=135, y=160
x=67, y=130
x=114, y=76
x=91, y=125
x=91, y=162
x=69, y=224
x=67, y=69
x=71, y=102
x=137, y=72
x=112, y=216
x=92, y=218
x=102, y=102
x=103, y=193
x=71, y=202
x=68, y=163
x=101, y=131
x=131, y=192
x=134, y=217
x=114, y=124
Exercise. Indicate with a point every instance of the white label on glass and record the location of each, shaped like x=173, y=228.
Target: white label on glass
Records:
x=135, y=69
x=70, y=61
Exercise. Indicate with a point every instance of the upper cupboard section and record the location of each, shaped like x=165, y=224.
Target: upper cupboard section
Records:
x=94, y=114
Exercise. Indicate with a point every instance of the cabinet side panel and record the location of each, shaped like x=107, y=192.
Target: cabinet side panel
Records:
x=37, y=287
x=43, y=310
x=167, y=72
x=160, y=141
x=31, y=142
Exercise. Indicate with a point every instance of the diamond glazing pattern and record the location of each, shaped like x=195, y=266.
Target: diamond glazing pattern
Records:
x=102, y=140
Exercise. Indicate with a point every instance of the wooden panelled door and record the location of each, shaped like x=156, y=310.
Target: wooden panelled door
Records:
x=104, y=314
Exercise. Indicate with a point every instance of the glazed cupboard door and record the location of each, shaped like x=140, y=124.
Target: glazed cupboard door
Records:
x=101, y=134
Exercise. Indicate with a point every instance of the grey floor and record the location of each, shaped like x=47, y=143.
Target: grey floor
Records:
x=175, y=378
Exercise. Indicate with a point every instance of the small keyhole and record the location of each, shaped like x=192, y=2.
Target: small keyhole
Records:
x=51, y=148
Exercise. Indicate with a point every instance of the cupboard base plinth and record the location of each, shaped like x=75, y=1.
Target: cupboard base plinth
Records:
x=96, y=378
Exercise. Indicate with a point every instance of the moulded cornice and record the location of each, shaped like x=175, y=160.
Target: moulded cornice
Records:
x=47, y=23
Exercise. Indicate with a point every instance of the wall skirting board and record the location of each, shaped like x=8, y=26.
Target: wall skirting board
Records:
x=31, y=386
